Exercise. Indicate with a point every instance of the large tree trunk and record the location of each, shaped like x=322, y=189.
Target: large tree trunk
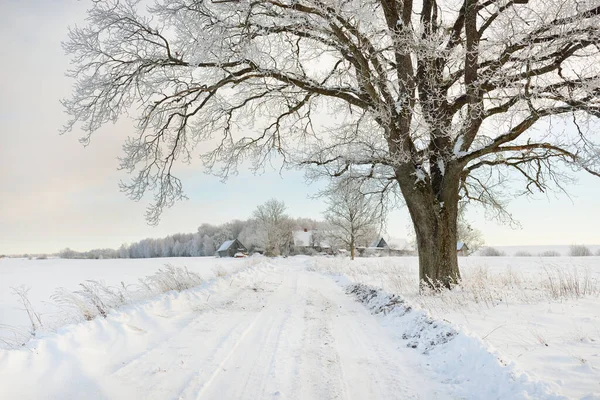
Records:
x=434, y=217
x=436, y=245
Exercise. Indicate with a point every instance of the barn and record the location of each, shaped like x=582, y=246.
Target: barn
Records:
x=230, y=248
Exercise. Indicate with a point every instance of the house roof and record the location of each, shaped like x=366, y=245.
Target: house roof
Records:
x=460, y=246
x=398, y=244
x=391, y=243
x=226, y=245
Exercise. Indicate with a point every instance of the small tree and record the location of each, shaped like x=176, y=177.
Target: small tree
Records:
x=352, y=215
x=467, y=234
x=275, y=227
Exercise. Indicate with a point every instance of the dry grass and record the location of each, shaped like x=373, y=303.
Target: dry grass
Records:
x=561, y=283
x=95, y=298
x=34, y=318
x=478, y=288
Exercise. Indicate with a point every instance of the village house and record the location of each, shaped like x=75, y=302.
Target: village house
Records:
x=306, y=240
x=232, y=248
x=390, y=247
x=462, y=249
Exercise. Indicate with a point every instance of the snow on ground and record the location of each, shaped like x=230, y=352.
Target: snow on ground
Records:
x=543, y=314
x=283, y=328
x=44, y=277
x=265, y=332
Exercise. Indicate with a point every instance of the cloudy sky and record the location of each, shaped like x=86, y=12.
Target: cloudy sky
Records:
x=55, y=193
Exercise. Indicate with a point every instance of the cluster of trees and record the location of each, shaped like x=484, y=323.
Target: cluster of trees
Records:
x=270, y=230
x=352, y=219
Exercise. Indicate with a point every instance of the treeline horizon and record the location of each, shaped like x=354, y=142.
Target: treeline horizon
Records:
x=204, y=242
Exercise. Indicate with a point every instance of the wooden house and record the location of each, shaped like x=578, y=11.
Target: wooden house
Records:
x=230, y=248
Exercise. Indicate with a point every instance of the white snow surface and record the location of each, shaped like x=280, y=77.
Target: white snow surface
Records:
x=287, y=329
x=457, y=147
x=509, y=303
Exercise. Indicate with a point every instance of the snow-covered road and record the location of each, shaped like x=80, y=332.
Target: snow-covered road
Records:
x=278, y=333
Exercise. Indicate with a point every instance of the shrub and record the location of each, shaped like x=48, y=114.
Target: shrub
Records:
x=579, y=250
x=549, y=253
x=491, y=252
x=523, y=253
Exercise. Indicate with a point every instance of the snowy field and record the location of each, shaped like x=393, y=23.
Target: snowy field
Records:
x=518, y=328
x=543, y=314
x=44, y=277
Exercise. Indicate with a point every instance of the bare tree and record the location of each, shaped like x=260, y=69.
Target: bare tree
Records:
x=352, y=216
x=466, y=233
x=436, y=100
x=275, y=227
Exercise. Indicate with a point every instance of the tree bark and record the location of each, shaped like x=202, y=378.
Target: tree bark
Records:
x=436, y=246
x=352, y=247
x=434, y=216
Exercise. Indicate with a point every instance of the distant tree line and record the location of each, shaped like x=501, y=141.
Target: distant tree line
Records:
x=270, y=230
x=352, y=220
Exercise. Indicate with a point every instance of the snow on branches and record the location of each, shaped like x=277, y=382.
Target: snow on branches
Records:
x=462, y=94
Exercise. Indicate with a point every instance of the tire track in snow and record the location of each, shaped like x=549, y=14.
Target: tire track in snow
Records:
x=160, y=372
x=321, y=375
x=285, y=334
x=250, y=364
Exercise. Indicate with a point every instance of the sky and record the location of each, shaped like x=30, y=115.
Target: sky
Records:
x=56, y=193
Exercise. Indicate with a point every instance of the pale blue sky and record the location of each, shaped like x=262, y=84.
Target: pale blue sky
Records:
x=55, y=193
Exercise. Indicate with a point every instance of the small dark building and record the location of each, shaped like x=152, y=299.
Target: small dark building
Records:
x=230, y=248
x=462, y=249
x=380, y=243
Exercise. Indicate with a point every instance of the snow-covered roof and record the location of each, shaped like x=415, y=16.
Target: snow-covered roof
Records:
x=460, y=245
x=398, y=244
x=305, y=239
x=226, y=245
x=302, y=238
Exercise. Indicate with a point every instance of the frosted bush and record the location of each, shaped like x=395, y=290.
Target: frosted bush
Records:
x=491, y=252
x=578, y=250
x=549, y=253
